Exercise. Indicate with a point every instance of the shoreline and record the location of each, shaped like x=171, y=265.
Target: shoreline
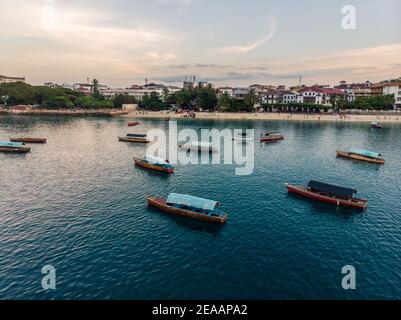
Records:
x=269, y=116
x=73, y=113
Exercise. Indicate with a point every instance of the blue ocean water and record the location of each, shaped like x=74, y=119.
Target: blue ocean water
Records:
x=78, y=203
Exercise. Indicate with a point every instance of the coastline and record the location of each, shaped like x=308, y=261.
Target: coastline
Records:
x=269, y=116
x=75, y=113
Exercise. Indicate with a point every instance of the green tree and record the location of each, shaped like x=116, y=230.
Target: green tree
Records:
x=121, y=99
x=96, y=90
x=224, y=102
x=251, y=99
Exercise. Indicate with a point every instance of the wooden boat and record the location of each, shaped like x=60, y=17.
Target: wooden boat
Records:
x=29, y=140
x=330, y=194
x=376, y=125
x=271, y=137
x=154, y=163
x=135, y=138
x=133, y=124
x=362, y=155
x=189, y=206
x=13, y=147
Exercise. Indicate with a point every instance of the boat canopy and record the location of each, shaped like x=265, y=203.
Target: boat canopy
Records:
x=366, y=153
x=136, y=135
x=331, y=189
x=8, y=144
x=155, y=160
x=191, y=201
x=272, y=133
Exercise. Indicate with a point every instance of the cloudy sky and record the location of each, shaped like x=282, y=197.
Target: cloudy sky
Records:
x=227, y=42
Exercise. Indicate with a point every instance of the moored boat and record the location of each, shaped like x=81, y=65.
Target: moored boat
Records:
x=271, y=137
x=329, y=193
x=135, y=138
x=154, y=163
x=189, y=206
x=133, y=124
x=362, y=155
x=13, y=147
x=376, y=125
x=29, y=140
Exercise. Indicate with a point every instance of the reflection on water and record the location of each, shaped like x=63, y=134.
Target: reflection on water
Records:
x=78, y=203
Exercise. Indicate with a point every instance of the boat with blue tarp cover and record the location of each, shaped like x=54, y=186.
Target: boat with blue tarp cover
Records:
x=329, y=193
x=135, y=138
x=190, y=206
x=362, y=155
x=13, y=147
x=154, y=163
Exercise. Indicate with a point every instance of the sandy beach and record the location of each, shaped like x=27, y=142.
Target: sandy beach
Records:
x=269, y=116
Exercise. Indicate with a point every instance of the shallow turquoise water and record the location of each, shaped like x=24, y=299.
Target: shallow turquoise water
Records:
x=78, y=204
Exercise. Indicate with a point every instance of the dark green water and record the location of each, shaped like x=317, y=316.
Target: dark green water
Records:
x=77, y=203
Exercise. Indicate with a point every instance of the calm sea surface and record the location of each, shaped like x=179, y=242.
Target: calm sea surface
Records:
x=78, y=203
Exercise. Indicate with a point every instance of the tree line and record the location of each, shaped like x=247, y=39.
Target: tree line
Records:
x=17, y=93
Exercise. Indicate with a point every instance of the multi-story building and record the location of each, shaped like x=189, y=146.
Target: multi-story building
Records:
x=310, y=95
x=394, y=88
x=287, y=96
x=7, y=79
x=240, y=93
x=227, y=90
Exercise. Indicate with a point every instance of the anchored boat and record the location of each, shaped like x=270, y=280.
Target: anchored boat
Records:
x=329, y=193
x=29, y=140
x=154, y=163
x=189, y=206
x=133, y=124
x=362, y=155
x=135, y=138
x=376, y=125
x=271, y=137
x=13, y=147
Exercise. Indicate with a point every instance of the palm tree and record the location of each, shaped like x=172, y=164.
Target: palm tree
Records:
x=224, y=102
x=251, y=99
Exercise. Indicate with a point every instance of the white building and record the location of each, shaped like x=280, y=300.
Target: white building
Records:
x=310, y=95
x=226, y=90
x=7, y=79
x=394, y=89
x=288, y=97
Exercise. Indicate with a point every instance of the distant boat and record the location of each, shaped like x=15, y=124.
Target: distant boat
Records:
x=29, y=140
x=362, y=155
x=133, y=124
x=198, y=146
x=189, y=206
x=376, y=125
x=13, y=147
x=329, y=193
x=135, y=138
x=154, y=163
x=271, y=137
x=243, y=137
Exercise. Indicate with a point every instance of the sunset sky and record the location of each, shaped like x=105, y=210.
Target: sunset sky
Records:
x=226, y=42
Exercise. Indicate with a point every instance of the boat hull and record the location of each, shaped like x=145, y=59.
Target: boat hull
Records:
x=133, y=140
x=161, y=204
x=15, y=150
x=29, y=140
x=143, y=164
x=271, y=139
x=350, y=203
x=133, y=124
x=353, y=156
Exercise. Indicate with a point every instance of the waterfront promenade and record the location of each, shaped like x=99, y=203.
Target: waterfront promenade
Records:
x=385, y=118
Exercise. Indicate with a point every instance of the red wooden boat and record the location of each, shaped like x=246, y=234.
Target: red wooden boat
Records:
x=133, y=124
x=181, y=205
x=29, y=140
x=330, y=194
x=152, y=165
x=271, y=137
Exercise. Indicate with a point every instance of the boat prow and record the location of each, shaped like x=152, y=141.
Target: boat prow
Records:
x=366, y=157
x=161, y=167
